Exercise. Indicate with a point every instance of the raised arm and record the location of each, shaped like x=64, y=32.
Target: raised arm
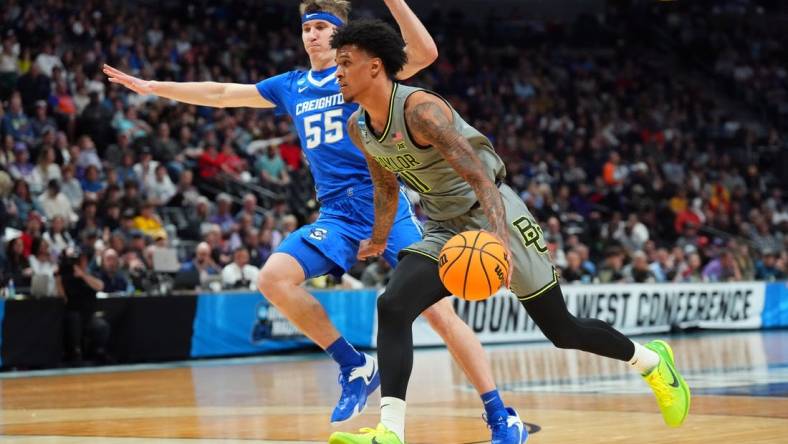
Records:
x=419, y=45
x=430, y=122
x=217, y=95
x=386, y=198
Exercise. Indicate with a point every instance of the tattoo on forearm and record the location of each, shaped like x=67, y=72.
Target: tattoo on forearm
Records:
x=428, y=120
x=386, y=202
x=386, y=189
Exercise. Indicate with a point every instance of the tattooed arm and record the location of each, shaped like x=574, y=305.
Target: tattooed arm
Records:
x=430, y=122
x=386, y=198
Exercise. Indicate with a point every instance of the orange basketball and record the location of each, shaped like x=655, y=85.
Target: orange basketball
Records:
x=473, y=265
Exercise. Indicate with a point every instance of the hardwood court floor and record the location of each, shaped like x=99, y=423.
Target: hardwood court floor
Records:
x=739, y=382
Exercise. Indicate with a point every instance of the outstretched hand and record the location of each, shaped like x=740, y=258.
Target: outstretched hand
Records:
x=135, y=84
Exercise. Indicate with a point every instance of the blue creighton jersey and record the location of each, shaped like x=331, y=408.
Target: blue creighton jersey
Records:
x=314, y=101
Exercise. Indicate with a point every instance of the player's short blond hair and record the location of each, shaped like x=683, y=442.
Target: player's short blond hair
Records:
x=340, y=8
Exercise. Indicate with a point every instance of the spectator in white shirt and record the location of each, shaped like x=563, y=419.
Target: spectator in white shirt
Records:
x=48, y=60
x=57, y=236
x=54, y=203
x=159, y=187
x=238, y=273
x=71, y=187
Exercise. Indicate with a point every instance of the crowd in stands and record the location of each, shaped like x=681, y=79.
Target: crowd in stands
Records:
x=635, y=174
x=742, y=44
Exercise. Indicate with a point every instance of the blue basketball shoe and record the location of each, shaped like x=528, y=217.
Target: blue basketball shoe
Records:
x=356, y=385
x=509, y=430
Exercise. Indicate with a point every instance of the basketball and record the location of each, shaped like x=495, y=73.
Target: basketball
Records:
x=473, y=265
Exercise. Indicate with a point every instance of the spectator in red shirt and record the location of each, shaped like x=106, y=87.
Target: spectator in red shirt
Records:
x=210, y=163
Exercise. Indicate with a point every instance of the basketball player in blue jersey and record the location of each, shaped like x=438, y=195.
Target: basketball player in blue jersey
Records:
x=314, y=101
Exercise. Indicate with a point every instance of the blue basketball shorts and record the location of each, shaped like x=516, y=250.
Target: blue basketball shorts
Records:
x=330, y=244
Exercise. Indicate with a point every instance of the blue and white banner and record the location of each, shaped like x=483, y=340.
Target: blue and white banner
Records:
x=229, y=324
x=632, y=308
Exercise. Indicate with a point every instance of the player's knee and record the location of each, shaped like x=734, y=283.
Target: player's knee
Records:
x=440, y=316
x=562, y=338
x=271, y=284
x=391, y=310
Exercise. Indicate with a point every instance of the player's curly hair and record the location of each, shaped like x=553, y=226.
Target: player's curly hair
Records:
x=340, y=8
x=377, y=39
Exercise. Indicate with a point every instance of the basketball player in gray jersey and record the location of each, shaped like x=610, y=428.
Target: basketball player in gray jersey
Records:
x=417, y=136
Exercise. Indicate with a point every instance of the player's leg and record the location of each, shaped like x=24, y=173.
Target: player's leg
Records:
x=535, y=283
x=505, y=424
x=654, y=361
x=462, y=343
x=413, y=287
x=280, y=282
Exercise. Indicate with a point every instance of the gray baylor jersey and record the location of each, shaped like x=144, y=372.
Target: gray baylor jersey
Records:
x=444, y=193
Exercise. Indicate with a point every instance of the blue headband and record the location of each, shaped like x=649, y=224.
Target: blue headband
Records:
x=322, y=15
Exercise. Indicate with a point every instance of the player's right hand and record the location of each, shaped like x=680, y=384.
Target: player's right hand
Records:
x=368, y=249
x=135, y=84
x=503, y=237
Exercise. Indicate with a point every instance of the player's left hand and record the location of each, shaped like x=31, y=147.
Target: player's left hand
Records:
x=368, y=249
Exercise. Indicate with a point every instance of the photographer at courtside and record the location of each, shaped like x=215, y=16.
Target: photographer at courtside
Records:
x=83, y=325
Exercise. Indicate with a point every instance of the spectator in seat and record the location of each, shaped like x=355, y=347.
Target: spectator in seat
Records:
x=239, y=273
x=21, y=168
x=111, y=274
x=167, y=151
x=45, y=170
x=186, y=193
x=612, y=270
x=92, y=182
x=250, y=207
x=71, y=187
x=203, y=263
x=693, y=270
x=42, y=263
x=766, y=269
x=149, y=222
x=23, y=203
x=638, y=271
x=17, y=265
x=722, y=269
x=271, y=168
x=223, y=217
x=41, y=121
x=159, y=187
x=574, y=271
x=58, y=238
x=16, y=123
x=55, y=203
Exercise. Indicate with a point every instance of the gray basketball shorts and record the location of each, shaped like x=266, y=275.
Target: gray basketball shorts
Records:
x=533, y=273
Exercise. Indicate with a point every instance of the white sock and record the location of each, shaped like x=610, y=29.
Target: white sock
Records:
x=644, y=359
x=392, y=415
